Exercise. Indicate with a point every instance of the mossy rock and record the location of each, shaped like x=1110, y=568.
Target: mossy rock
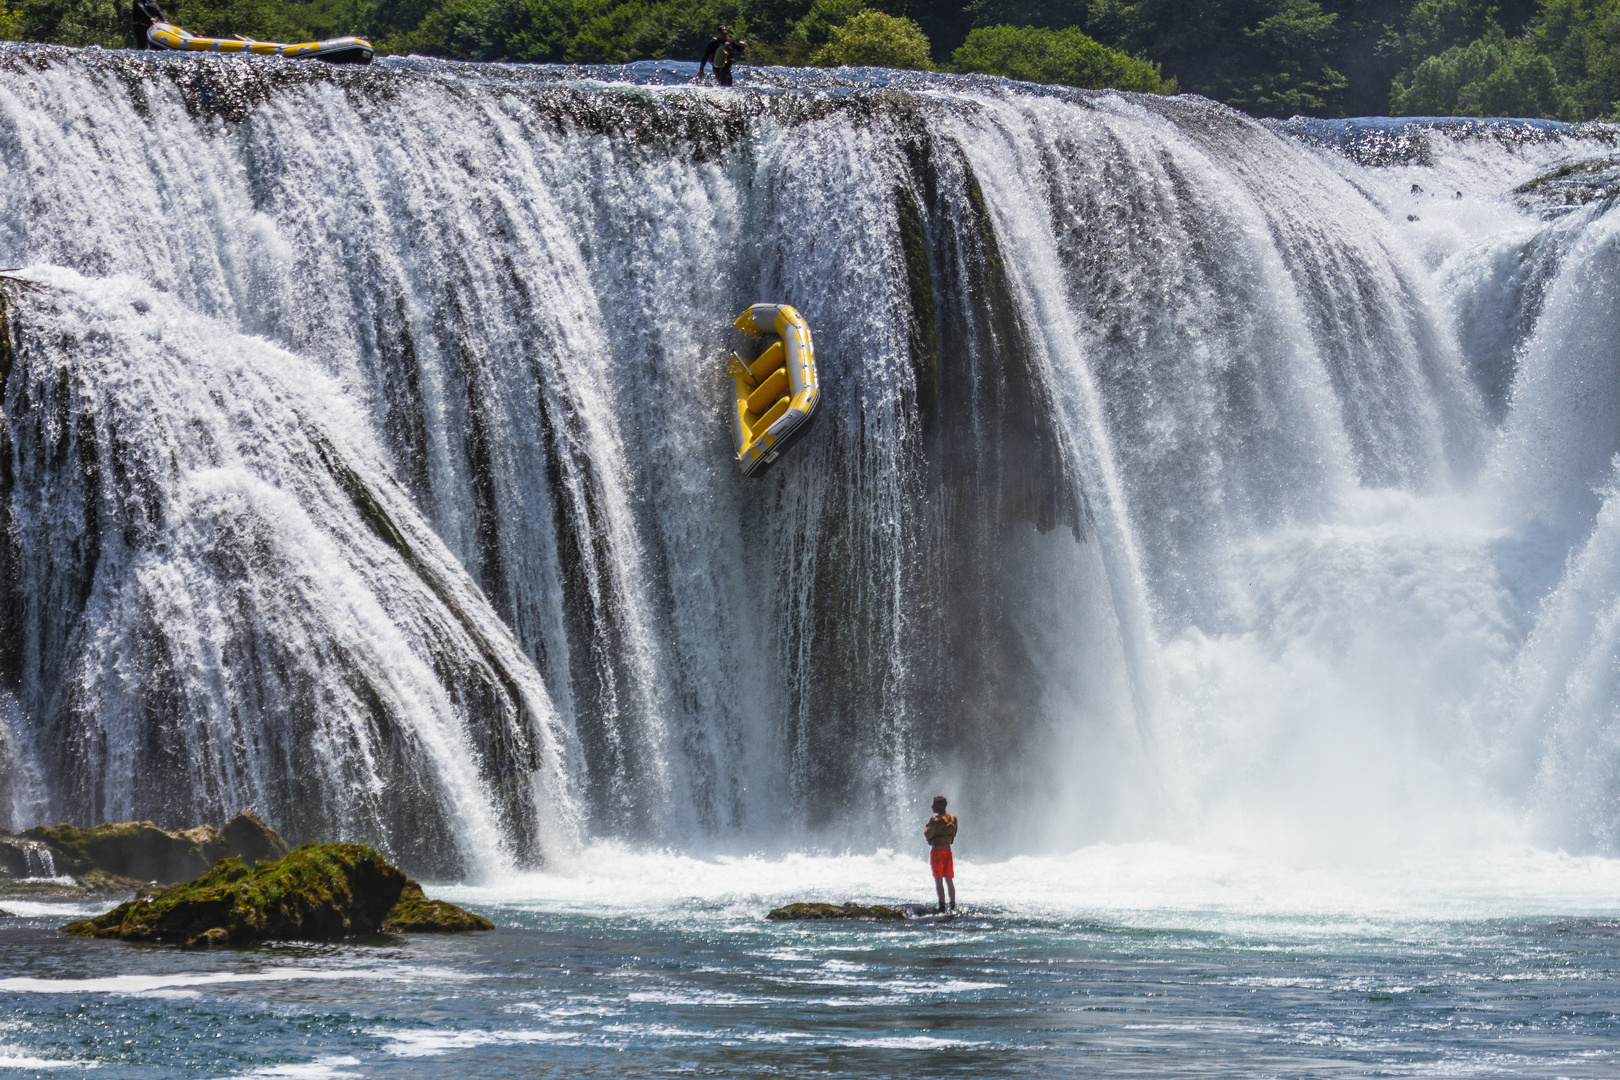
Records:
x=6, y=914
x=101, y=883
x=811, y=912
x=316, y=892
x=416, y=914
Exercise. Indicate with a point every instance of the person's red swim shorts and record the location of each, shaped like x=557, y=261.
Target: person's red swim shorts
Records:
x=939, y=860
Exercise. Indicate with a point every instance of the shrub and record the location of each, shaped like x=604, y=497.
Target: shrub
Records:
x=873, y=39
x=1056, y=56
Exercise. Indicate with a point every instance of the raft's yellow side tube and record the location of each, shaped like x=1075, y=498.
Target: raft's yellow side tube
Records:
x=776, y=394
x=350, y=50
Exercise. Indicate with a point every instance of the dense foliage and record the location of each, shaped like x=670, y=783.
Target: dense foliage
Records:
x=873, y=39
x=1056, y=56
x=1552, y=58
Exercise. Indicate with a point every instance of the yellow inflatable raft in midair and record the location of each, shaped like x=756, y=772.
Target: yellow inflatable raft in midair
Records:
x=153, y=30
x=776, y=393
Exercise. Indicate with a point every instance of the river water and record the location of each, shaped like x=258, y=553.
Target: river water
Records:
x=1142, y=960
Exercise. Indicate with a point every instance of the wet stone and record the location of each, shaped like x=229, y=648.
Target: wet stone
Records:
x=812, y=912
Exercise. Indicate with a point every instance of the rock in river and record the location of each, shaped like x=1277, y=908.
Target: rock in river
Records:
x=836, y=911
x=316, y=892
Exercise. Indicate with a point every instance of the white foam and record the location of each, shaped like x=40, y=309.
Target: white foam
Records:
x=10, y=1059
x=147, y=984
x=52, y=909
x=1149, y=884
x=434, y=1043
x=326, y=1068
x=910, y=1042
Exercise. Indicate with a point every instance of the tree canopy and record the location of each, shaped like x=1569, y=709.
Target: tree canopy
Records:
x=1548, y=58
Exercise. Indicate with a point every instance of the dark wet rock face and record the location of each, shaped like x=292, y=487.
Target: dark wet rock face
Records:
x=141, y=852
x=315, y=893
x=24, y=858
x=1571, y=186
x=248, y=837
x=813, y=912
x=138, y=850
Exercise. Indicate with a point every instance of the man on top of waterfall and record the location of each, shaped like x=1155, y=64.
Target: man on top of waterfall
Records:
x=939, y=832
x=721, y=52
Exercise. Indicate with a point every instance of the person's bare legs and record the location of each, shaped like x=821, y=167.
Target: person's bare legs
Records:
x=939, y=887
x=952, y=882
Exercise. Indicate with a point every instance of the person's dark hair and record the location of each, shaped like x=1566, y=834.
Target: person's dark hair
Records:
x=939, y=802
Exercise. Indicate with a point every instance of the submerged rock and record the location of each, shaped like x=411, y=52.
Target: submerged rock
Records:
x=879, y=912
x=316, y=892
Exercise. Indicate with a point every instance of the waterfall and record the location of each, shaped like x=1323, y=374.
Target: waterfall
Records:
x=365, y=464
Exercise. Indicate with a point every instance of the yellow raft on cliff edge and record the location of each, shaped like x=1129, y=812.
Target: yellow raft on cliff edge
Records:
x=777, y=393
x=153, y=30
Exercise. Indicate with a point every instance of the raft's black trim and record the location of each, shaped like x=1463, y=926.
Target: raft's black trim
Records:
x=785, y=443
x=357, y=54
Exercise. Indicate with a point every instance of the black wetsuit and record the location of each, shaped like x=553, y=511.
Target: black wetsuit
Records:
x=143, y=13
x=721, y=52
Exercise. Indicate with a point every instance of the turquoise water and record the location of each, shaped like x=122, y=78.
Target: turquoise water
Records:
x=1258, y=969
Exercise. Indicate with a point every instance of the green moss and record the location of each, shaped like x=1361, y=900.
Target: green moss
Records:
x=316, y=892
x=416, y=914
x=812, y=912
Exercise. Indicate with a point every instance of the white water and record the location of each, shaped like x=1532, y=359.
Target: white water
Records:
x=1346, y=575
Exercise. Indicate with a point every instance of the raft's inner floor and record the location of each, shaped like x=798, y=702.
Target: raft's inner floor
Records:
x=1138, y=960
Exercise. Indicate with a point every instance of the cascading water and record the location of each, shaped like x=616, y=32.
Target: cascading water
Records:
x=1175, y=476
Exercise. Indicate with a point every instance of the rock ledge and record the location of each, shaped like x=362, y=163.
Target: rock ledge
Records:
x=798, y=912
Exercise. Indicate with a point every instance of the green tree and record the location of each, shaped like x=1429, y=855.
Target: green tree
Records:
x=773, y=20
x=265, y=20
x=1492, y=76
x=1066, y=56
x=1582, y=40
x=873, y=39
x=1051, y=14
x=1272, y=57
x=1433, y=26
x=75, y=22
x=10, y=24
x=1295, y=45
x=825, y=16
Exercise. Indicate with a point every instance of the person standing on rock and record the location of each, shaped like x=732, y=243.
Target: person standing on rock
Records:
x=939, y=832
x=721, y=52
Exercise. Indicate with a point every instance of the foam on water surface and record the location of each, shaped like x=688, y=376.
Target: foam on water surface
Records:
x=1149, y=885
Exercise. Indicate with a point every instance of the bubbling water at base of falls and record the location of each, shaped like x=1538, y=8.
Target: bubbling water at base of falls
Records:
x=1178, y=478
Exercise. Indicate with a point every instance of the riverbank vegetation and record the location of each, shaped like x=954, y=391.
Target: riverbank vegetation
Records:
x=1548, y=58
